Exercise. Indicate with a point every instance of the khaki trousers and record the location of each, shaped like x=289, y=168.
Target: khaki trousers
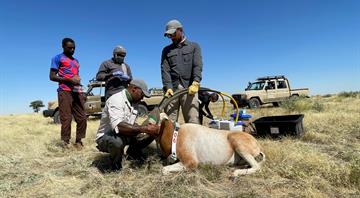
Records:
x=189, y=106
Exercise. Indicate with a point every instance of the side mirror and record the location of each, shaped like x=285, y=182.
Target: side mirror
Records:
x=266, y=88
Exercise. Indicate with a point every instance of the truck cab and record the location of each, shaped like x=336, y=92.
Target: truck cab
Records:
x=270, y=89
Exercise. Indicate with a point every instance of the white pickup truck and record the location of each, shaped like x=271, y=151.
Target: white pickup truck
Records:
x=268, y=89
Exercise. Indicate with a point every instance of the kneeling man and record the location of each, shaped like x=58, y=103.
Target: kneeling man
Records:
x=117, y=125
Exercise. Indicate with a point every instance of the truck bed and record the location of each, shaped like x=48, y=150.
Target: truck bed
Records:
x=300, y=91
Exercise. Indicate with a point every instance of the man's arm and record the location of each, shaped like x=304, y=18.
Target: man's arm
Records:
x=201, y=109
x=197, y=64
x=165, y=71
x=118, y=116
x=209, y=115
x=129, y=73
x=54, y=77
x=128, y=129
x=102, y=74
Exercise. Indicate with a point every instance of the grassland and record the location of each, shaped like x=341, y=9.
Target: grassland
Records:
x=325, y=162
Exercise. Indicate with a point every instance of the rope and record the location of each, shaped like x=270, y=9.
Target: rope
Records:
x=181, y=92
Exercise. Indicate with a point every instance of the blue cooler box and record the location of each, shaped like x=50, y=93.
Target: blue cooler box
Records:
x=242, y=116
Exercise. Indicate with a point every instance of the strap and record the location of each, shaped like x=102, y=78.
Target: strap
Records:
x=173, y=142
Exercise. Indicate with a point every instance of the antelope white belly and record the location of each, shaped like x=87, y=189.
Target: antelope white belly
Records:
x=209, y=146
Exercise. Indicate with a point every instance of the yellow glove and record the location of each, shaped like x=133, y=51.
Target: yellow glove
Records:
x=169, y=93
x=194, y=88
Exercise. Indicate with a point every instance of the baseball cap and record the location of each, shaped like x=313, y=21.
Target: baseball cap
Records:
x=142, y=85
x=119, y=49
x=171, y=26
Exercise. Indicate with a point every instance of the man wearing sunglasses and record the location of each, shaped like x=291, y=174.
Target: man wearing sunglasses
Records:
x=181, y=68
x=115, y=72
x=118, y=128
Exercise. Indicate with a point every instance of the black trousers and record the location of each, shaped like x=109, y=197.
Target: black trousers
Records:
x=114, y=144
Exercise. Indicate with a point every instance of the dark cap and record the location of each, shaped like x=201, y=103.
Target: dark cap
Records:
x=142, y=85
x=119, y=49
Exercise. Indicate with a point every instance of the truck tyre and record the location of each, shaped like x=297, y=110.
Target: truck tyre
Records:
x=57, y=117
x=294, y=97
x=254, y=103
x=142, y=110
x=276, y=104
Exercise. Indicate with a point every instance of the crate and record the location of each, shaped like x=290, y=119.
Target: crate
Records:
x=226, y=125
x=275, y=126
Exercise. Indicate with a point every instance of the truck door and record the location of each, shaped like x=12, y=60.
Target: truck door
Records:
x=94, y=99
x=282, y=90
x=271, y=90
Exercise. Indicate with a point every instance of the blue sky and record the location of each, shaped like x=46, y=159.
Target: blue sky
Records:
x=315, y=43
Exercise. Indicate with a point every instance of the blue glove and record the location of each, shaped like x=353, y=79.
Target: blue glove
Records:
x=118, y=73
x=121, y=75
x=124, y=77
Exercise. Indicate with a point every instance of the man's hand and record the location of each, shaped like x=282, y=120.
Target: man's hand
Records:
x=169, y=93
x=75, y=80
x=194, y=88
x=151, y=129
x=210, y=117
x=121, y=75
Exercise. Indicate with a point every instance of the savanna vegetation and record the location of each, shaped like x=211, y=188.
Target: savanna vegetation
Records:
x=325, y=162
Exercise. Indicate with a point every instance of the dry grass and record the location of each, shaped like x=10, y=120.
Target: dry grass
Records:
x=324, y=163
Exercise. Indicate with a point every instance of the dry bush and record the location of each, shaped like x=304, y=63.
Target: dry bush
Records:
x=325, y=162
x=352, y=94
x=302, y=104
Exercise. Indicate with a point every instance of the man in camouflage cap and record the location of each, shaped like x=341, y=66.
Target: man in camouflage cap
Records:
x=181, y=68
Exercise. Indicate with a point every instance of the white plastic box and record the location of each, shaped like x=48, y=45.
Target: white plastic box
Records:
x=225, y=125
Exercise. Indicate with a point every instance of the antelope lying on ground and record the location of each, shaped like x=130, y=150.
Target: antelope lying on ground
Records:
x=199, y=144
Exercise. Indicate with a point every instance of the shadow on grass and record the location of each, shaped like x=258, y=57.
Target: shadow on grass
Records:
x=103, y=163
x=147, y=157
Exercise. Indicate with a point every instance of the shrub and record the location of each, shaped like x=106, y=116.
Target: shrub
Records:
x=327, y=95
x=317, y=106
x=350, y=94
x=301, y=104
x=354, y=175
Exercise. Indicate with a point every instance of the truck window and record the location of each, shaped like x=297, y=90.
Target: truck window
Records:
x=98, y=91
x=281, y=85
x=271, y=85
x=256, y=86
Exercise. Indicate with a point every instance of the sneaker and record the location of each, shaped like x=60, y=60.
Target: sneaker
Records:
x=65, y=144
x=78, y=145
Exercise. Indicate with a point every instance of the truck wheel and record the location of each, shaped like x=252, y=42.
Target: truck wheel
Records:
x=294, y=97
x=275, y=104
x=142, y=110
x=254, y=103
x=57, y=117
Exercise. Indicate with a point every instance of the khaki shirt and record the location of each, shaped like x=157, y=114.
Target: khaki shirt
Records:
x=117, y=109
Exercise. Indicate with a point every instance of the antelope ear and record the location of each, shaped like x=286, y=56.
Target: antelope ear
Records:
x=163, y=116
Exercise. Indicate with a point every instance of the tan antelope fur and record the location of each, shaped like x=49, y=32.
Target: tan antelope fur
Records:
x=198, y=144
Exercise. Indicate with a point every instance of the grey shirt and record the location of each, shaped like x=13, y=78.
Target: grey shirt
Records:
x=181, y=64
x=114, y=85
